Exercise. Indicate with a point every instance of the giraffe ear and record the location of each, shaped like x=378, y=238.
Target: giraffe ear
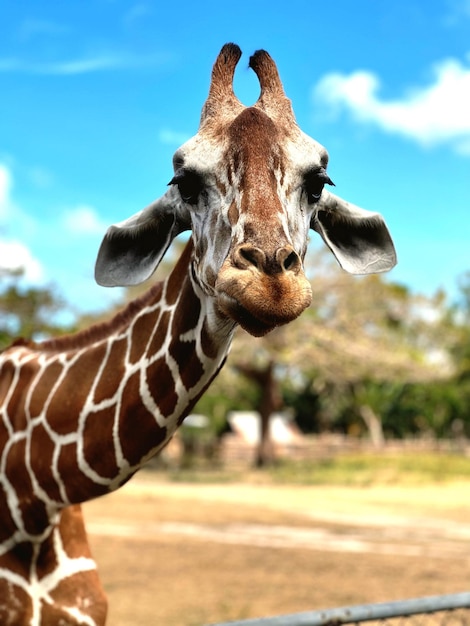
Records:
x=359, y=239
x=131, y=250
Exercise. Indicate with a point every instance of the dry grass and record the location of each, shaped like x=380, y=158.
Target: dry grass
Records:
x=170, y=553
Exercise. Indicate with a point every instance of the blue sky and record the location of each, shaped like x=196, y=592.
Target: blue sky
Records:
x=96, y=95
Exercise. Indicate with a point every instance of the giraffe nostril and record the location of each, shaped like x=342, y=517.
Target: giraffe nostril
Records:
x=285, y=259
x=248, y=255
x=288, y=259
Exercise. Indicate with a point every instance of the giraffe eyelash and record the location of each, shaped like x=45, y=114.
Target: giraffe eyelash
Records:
x=314, y=181
x=189, y=184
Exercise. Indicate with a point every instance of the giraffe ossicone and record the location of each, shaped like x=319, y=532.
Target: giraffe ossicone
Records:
x=80, y=415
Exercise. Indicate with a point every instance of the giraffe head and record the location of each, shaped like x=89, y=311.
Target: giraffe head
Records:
x=249, y=185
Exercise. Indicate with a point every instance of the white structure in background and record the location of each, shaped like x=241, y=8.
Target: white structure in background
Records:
x=246, y=425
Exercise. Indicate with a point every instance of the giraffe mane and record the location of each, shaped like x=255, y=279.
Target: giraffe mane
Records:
x=97, y=332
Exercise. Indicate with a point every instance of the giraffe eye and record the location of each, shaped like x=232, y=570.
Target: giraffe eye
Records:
x=189, y=185
x=314, y=182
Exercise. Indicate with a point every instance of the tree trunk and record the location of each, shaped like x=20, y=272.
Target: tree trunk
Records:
x=270, y=402
x=374, y=426
x=265, y=451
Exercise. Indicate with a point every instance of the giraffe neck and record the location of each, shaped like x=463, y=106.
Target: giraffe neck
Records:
x=79, y=419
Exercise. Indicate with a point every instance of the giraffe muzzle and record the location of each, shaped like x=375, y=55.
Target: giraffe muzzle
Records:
x=260, y=291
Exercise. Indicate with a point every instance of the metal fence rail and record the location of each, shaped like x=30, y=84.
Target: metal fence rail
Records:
x=455, y=609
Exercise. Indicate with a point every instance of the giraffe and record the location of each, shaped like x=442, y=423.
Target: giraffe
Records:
x=79, y=415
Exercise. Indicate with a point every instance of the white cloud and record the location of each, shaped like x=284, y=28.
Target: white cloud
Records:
x=15, y=256
x=5, y=191
x=9, y=210
x=436, y=113
x=82, y=65
x=83, y=220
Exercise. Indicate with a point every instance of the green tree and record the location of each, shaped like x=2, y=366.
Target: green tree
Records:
x=27, y=311
x=459, y=318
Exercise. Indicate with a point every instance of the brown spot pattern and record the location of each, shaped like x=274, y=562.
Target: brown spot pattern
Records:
x=16, y=405
x=43, y=385
x=76, y=386
x=7, y=527
x=187, y=314
x=78, y=486
x=137, y=427
x=191, y=369
x=160, y=334
x=33, y=511
x=41, y=454
x=16, y=606
x=112, y=372
x=139, y=336
x=97, y=435
x=160, y=378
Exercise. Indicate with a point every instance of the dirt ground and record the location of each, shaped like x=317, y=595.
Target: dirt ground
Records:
x=191, y=554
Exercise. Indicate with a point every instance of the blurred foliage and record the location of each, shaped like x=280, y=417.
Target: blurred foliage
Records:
x=28, y=312
x=459, y=316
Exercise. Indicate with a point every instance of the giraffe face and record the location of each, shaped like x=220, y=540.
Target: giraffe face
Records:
x=251, y=188
x=249, y=185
